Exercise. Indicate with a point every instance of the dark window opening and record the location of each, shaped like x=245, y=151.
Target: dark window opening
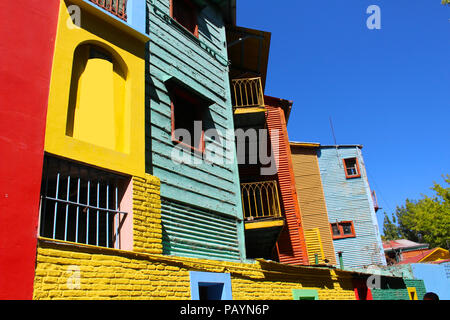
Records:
x=210, y=291
x=343, y=229
x=187, y=119
x=335, y=229
x=185, y=13
x=307, y=298
x=351, y=168
x=347, y=228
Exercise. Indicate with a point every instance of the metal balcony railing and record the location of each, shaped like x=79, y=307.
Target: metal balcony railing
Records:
x=115, y=7
x=375, y=201
x=260, y=200
x=247, y=93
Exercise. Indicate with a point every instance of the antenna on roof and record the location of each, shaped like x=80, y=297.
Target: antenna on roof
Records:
x=332, y=131
x=335, y=141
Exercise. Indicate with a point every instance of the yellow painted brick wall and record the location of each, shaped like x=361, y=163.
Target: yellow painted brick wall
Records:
x=74, y=271
x=113, y=274
x=147, y=230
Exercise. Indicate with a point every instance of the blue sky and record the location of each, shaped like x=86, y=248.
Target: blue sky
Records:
x=387, y=89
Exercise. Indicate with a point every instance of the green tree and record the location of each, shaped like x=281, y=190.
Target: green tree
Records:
x=426, y=220
x=390, y=228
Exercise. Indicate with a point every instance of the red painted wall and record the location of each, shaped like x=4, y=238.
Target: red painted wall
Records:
x=27, y=33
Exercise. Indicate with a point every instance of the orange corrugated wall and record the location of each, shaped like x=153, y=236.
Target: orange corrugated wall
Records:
x=291, y=245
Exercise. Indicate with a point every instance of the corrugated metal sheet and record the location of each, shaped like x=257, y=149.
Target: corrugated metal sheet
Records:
x=172, y=54
x=291, y=245
x=212, y=187
x=192, y=232
x=311, y=198
x=350, y=200
x=314, y=245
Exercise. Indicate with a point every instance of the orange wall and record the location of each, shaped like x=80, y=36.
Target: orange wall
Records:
x=291, y=246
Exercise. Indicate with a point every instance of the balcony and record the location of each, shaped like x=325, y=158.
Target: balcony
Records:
x=115, y=7
x=263, y=217
x=247, y=95
x=260, y=200
x=375, y=201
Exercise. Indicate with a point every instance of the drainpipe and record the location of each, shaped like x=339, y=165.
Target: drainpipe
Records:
x=341, y=260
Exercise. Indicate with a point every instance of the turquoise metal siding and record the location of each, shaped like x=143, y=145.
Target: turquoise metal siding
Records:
x=350, y=200
x=192, y=232
x=199, y=65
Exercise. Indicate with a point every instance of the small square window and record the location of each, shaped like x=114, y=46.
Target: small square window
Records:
x=351, y=166
x=335, y=229
x=347, y=229
x=305, y=294
x=185, y=13
x=343, y=229
x=210, y=286
x=210, y=291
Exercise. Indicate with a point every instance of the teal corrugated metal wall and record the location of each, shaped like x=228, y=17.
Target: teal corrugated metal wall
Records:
x=212, y=187
x=194, y=232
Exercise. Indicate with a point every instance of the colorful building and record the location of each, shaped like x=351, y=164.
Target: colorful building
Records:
x=311, y=199
x=273, y=227
x=407, y=252
x=399, y=250
x=187, y=67
x=120, y=183
x=24, y=84
x=351, y=206
x=436, y=277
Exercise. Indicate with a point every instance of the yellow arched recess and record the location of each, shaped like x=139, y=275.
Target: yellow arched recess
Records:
x=96, y=111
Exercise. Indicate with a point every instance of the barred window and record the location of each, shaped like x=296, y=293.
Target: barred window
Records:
x=81, y=204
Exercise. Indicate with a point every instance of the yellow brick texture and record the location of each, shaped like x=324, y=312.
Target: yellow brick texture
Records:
x=102, y=274
x=71, y=271
x=147, y=231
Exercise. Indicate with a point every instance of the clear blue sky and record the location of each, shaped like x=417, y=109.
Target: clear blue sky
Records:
x=387, y=89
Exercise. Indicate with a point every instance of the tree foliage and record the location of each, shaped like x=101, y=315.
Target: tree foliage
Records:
x=426, y=220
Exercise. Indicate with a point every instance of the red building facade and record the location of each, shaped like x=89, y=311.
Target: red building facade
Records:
x=26, y=52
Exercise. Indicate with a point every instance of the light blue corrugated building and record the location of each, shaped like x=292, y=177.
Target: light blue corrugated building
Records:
x=351, y=206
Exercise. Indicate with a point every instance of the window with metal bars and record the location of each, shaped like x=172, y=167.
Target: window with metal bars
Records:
x=81, y=204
